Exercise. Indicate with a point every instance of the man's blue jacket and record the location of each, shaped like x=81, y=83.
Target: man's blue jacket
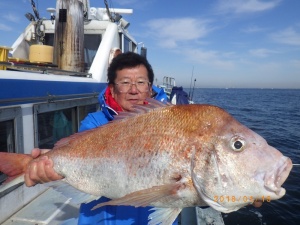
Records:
x=112, y=215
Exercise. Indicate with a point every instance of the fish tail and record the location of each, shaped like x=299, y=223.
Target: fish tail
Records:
x=13, y=164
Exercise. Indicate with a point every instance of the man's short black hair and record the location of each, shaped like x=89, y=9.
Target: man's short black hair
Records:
x=128, y=60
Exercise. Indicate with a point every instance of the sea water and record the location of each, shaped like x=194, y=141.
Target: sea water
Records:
x=275, y=115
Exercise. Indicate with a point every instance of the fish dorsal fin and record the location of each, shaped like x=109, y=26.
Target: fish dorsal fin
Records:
x=141, y=109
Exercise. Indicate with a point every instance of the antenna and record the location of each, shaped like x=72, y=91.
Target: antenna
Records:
x=191, y=82
x=108, y=12
x=36, y=13
x=52, y=16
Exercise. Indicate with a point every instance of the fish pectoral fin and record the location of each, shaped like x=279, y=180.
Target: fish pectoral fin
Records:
x=163, y=216
x=145, y=197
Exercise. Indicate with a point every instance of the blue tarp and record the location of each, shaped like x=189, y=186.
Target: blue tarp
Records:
x=114, y=215
x=181, y=96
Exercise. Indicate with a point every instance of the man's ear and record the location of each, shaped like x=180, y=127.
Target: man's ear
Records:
x=112, y=90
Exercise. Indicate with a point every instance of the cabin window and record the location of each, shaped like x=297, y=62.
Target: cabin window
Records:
x=127, y=44
x=55, y=121
x=85, y=110
x=7, y=136
x=91, y=45
x=49, y=39
x=10, y=131
x=52, y=126
x=134, y=47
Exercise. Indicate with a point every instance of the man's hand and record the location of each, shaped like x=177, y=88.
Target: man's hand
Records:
x=40, y=170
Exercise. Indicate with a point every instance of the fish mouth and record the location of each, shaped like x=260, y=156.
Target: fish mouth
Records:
x=274, y=179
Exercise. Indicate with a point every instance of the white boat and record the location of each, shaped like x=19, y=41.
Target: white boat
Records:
x=47, y=86
x=41, y=101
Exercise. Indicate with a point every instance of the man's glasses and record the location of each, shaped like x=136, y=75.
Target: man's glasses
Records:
x=125, y=85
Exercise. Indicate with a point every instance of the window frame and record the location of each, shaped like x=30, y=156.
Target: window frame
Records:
x=14, y=113
x=60, y=105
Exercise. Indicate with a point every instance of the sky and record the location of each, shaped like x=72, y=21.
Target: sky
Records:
x=220, y=43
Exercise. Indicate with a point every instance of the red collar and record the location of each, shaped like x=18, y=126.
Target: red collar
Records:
x=111, y=101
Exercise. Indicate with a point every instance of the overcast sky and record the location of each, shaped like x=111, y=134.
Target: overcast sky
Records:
x=221, y=43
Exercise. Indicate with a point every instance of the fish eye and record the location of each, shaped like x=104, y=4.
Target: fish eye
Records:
x=237, y=144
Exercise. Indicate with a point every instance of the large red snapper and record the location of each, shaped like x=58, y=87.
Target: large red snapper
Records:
x=168, y=157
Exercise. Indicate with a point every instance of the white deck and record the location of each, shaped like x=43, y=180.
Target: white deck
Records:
x=48, y=208
x=52, y=208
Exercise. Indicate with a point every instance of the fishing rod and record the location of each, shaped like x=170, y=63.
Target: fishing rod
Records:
x=191, y=83
x=193, y=91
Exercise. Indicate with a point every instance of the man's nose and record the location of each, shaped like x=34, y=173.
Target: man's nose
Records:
x=133, y=88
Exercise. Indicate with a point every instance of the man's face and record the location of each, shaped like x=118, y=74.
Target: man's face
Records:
x=131, y=87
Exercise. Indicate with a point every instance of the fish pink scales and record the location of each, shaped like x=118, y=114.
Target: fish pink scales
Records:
x=169, y=157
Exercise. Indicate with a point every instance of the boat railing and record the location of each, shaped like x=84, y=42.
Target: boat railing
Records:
x=167, y=85
x=43, y=68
